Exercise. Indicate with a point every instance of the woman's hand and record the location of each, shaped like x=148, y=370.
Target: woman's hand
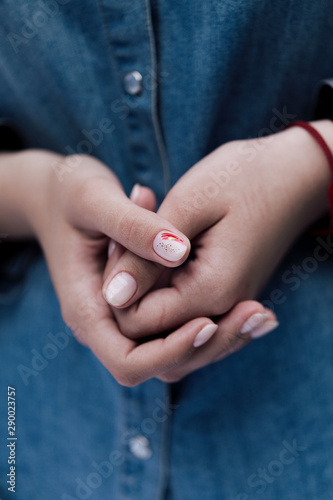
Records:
x=241, y=207
x=246, y=321
x=74, y=221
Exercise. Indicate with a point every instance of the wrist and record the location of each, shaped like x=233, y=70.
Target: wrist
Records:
x=310, y=169
x=24, y=177
x=322, y=133
x=39, y=204
x=325, y=128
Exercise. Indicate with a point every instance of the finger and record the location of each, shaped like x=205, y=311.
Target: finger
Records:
x=187, y=208
x=89, y=316
x=132, y=364
x=246, y=321
x=207, y=285
x=104, y=208
x=131, y=278
x=168, y=307
x=142, y=197
x=123, y=289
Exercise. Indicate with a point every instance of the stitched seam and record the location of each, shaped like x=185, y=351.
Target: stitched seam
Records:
x=154, y=97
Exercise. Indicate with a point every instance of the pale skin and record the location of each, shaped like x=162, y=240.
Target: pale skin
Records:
x=283, y=190
x=238, y=237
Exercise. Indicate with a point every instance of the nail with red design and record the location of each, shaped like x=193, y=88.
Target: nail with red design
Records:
x=169, y=246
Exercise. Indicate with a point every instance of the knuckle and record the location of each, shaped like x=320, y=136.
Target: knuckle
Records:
x=128, y=225
x=66, y=313
x=161, y=317
x=170, y=378
x=79, y=315
x=131, y=228
x=136, y=323
x=129, y=324
x=126, y=375
x=72, y=322
x=86, y=192
x=230, y=342
x=128, y=379
x=223, y=298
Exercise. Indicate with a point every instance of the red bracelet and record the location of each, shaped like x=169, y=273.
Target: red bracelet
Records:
x=326, y=150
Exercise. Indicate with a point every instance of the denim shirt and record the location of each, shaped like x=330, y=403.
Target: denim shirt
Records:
x=150, y=88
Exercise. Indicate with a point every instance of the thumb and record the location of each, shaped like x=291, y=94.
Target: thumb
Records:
x=142, y=197
x=121, y=287
x=132, y=277
x=103, y=207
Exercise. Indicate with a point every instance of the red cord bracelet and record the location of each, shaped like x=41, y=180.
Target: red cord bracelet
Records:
x=326, y=150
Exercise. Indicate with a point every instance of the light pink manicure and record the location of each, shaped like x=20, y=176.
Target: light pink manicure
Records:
x=267, y=327
x=121, y=289
x=253, y=322
x=258, y=325
x=169, y=246
x=112, y=247
x=204, y=335
x=135, y=192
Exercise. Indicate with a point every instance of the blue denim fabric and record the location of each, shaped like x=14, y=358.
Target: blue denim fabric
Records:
x=257, y=425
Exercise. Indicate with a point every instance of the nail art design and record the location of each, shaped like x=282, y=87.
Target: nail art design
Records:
x=169, y=246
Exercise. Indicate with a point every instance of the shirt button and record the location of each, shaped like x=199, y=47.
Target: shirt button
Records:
x=140, y=447
x=133, y=83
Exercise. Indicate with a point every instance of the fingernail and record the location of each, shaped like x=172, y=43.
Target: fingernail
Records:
x=257, y=325
x=253, y=322
x=204, y=335
x=267, y=327
x=111, y=249
x=169, y=246
x=135, y=193
x=121, y=288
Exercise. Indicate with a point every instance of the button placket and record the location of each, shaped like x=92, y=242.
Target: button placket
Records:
x=145, y=419
x=133, y=83
x=129, y=30
x=140, y=447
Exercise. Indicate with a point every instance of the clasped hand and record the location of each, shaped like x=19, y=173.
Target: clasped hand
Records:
x=142, y=312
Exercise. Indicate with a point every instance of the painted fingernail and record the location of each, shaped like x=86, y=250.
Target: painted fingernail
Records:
x=253, y=322
x=135, y=193
x=267, y=327
x=121, y=289
x=204, y=335
x=112, y=247
x=258, y=325
x=169, y=246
